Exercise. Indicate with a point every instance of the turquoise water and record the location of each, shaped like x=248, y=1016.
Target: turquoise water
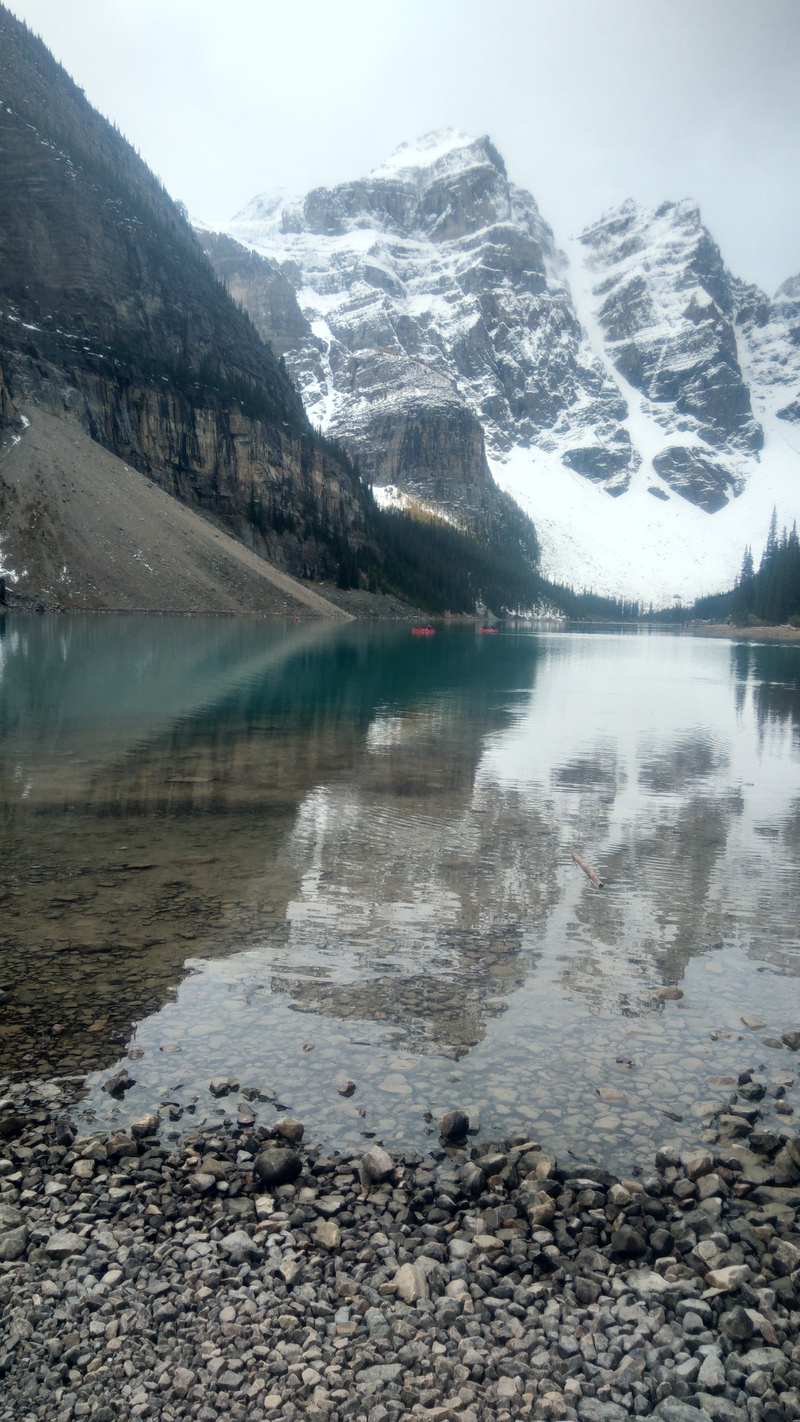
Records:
x=296, y=855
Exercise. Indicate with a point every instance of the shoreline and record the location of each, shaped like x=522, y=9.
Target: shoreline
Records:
x=240, y=1273
x=782, y=633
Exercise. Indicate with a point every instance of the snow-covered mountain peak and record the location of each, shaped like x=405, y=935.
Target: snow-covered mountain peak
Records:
x=790, y=290
x=623, y=397
x=445, y=186
x=446, y=148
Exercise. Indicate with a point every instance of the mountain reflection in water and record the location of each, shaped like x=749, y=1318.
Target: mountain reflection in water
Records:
x=233, y=842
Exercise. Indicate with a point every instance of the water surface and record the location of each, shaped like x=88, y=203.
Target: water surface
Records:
x=300, y=855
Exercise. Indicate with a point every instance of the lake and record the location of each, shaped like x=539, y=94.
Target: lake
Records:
x=300, y=855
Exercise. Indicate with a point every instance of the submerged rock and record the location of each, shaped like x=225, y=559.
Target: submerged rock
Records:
x=454, y=1126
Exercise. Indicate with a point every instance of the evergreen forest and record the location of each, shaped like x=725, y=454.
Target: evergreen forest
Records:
x=769, y=593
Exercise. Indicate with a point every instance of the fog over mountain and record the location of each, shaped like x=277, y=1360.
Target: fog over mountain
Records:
x=589, y=103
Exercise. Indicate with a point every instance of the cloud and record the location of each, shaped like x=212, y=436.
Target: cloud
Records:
x=590, y=101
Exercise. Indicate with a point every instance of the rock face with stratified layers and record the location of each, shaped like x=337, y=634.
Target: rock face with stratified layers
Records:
x=110, y=313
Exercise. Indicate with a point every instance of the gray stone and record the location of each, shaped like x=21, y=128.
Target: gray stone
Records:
x=118, y=1084
x=64, y=1243
x=720, y=1409
x=472, y=1179
x=239, y=1247
x=672, y=1409
x=729, y=1278
x=700, y=1162
x=202, y=1182
x=378, y=1374
x=10, y=1217
x=628, y=1241
x=377, y=1164
x=508, y=1389
x=761, y=1359
x=182, y=1380
x=146, y=1125
x=13, y=1243
x=785, y=1257
x=591, y=1409
x=328, y=1234
x=711, y=1377
x=586, y=1291
x=736, y=1324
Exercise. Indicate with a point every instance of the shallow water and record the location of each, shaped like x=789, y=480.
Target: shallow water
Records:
x=297, y=855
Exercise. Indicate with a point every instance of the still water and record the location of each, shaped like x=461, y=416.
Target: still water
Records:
x=298, y=855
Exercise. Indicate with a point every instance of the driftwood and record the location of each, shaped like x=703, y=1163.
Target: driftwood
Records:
x=590, y=874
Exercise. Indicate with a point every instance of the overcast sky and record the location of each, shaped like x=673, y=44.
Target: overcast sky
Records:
x=589, y=101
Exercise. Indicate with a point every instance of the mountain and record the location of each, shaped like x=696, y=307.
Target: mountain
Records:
x=112, y=318
x=434, y=322
x=621, y=387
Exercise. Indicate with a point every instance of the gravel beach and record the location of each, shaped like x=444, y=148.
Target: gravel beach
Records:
x=243, y=1273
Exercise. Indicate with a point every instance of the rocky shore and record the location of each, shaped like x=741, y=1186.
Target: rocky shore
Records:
x=242, y=1274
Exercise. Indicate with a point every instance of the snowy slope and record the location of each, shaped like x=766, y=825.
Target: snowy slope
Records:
x=653, y=543
x=636, y=399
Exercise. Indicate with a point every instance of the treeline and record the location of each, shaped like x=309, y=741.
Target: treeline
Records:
x=588, y=606
x=769, y=593
x=440, y=568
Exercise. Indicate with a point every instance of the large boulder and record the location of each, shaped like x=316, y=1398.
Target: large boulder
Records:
x=277, y=1166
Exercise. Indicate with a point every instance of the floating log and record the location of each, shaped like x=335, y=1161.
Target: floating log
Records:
x=590, y=874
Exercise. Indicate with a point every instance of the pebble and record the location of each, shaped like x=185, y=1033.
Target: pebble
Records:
x=289, y=1128
x=377, y=1165
x=224, y=1275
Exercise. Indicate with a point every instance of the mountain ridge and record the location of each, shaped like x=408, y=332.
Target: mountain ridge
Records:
x=623, y=386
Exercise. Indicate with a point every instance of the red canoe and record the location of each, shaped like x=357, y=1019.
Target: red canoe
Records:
x=423, y=631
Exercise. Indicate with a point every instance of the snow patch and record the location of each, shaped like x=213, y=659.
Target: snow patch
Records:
x=638, y=546
x=388, y=496
x=6, y=571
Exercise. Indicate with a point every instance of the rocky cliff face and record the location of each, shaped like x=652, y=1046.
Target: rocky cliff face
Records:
x=771, y=343
x=619, y=385
x=437, y=307
x=666, y=310
x=109, y=306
